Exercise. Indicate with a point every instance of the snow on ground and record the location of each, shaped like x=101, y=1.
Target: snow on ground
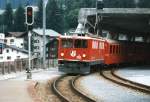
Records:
x=37, y=75
x=137, y=74
x=106, y=91
x=42, y=75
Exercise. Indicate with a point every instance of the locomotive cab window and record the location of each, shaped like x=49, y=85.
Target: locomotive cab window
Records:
x=67, y=43
x=80, y=43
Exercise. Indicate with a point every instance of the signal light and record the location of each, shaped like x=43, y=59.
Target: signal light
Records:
x=29, y=15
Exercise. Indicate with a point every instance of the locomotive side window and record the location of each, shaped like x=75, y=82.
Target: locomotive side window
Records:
x=113, y=51
x=67, y=43
x=80, y=43
x=110, y=49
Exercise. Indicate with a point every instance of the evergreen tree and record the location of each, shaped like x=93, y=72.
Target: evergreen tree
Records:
x=39, y=17
x=54, y=17
x=19, y=20
x=87, y=3
x=8, y=18
x=119, y=3
x=144, y=4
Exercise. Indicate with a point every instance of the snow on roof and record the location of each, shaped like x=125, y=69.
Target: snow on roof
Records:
x=1, y=12
x=16, y=48
x=16, y=34
x=82, y=37
x=48, y=32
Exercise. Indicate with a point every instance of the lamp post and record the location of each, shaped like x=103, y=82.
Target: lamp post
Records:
x=99, y=6
x=136, y=3
x=44, y=27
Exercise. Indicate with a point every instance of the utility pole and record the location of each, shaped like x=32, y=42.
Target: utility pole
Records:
x=99, y=6
x=136, y=3
x=44, y=27
x=29, y=74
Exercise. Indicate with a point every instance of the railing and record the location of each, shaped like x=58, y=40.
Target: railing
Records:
x=13, y=66
x=22, y=65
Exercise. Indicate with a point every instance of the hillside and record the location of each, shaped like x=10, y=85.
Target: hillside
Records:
x=15, y=3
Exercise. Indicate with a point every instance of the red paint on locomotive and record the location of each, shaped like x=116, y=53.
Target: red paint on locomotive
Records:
x=101, y=51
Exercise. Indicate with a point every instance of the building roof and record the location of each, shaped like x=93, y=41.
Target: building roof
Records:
x=48, y=32
x=16, y=48
x=120, y=20
x=16, y=34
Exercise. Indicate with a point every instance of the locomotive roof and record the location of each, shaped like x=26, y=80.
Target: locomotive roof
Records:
x=93, y=38
x=82, y=37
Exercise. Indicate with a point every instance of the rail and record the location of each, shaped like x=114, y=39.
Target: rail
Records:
x=109, y=75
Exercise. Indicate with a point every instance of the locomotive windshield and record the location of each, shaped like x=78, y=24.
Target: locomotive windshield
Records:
x=80, y=43
x=67, y=43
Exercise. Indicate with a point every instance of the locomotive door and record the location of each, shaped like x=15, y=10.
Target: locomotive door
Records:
x=101, y=49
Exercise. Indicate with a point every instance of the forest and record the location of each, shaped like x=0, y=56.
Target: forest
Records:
x=61, y=15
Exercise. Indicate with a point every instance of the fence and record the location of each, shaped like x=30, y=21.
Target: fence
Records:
x=51, y=63
x=22, y=65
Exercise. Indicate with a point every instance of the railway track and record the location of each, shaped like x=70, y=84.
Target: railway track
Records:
x=65, y=88
x=110, y=75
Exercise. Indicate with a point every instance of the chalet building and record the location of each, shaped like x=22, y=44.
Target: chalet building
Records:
x=37, y=40
x=11, y=53
x=17, y=39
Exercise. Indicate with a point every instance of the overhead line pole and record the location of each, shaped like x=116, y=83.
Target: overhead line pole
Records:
x=44, y=27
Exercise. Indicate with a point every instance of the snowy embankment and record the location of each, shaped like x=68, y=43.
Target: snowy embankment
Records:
x=138, y=74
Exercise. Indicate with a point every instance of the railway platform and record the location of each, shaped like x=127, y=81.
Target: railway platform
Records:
x=16, y=88
x=14, y=91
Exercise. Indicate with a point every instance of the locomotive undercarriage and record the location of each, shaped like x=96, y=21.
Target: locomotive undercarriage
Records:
x=76, y=66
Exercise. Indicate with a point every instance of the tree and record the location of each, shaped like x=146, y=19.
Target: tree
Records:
x=39, y=17
x=54, y=17
x=8, y=18
x=119, y=3
x=72, y=8
x=87, y=3
x=19, y=19
x=1, y=23
x=144, y=3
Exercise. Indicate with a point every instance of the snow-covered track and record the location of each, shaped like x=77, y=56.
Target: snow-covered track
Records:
x=73, y=81
x=109, y=74
x=65, y=88
x=130, y=81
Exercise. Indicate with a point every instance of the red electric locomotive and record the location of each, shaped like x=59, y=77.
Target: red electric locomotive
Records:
x=76, y=54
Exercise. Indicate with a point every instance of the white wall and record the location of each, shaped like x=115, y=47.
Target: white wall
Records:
x=39, y=45
x=13, y=54
x=18, y=42
x=2, y=36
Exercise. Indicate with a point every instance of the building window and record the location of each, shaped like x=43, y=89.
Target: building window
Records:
x=12, y=50
x=21, y=44
x=8, y=57
x=11, y=40
x=5, y=40
x=36, y=41
x=1, y=57
x=47, y=55
x=7, y=50
x=36, y=47
x=18, y=57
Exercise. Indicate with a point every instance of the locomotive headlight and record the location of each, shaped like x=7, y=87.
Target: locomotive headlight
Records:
x=84, y=55
x=62, y=54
